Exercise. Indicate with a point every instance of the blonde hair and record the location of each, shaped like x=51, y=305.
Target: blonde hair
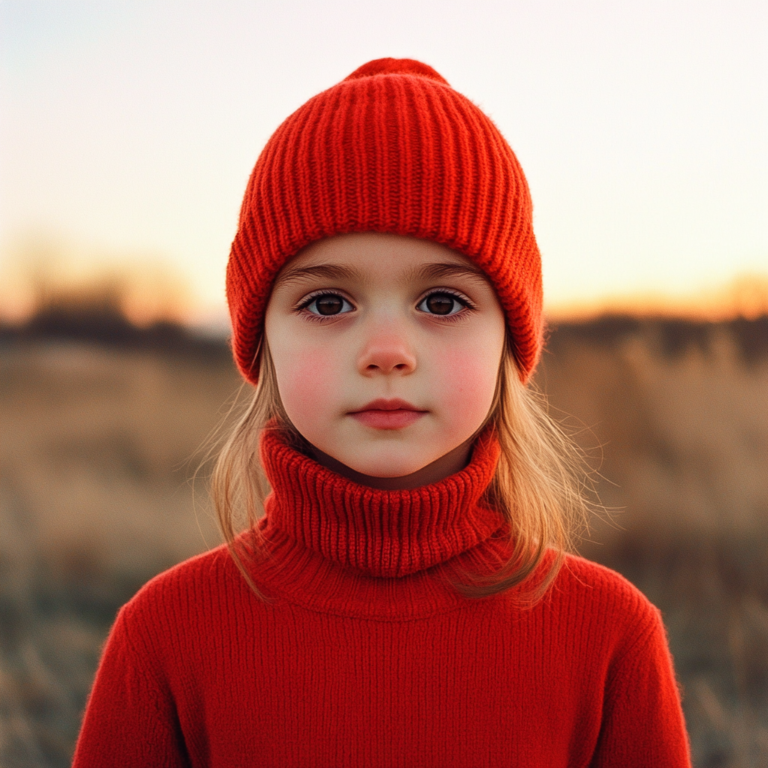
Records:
x=540, y=485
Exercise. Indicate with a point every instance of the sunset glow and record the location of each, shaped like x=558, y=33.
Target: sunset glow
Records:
x=129, y=131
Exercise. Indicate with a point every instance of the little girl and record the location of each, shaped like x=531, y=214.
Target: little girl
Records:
x=402, y=596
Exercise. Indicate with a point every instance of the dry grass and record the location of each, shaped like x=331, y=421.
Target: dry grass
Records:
x=683, y=434
x=95, y=498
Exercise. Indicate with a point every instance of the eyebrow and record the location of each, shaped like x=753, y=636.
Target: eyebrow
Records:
x=432, y=271
x=327, y=271
x=445, y=269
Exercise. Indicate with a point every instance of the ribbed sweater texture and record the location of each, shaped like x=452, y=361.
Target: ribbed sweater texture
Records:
x=365, y=655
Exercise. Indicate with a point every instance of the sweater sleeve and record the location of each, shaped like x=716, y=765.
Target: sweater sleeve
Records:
x=130, y=720
x=643, y=719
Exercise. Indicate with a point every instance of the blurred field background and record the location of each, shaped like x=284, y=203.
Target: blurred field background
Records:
x=102, y=423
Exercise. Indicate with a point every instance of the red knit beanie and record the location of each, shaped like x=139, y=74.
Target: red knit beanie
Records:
x=392, y=148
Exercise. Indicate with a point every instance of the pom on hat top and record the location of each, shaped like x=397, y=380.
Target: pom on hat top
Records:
x=391, y=148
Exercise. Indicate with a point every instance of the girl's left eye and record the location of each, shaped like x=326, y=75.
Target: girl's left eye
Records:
x=327, y=304
x=441, y=303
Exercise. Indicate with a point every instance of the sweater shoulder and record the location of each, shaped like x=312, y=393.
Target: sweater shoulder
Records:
x=195, y=588
x=606, y=600
x=186, y=574
x=602, y=582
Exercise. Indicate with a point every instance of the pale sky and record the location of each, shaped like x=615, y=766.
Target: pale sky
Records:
x=129, y=128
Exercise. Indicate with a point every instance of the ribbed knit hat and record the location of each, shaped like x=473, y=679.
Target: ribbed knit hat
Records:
x=392, y=148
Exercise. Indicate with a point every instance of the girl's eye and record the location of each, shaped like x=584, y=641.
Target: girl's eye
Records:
x=441, y=304
x=328, y=304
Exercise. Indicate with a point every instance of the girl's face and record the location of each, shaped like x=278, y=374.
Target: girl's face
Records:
x=387, y=350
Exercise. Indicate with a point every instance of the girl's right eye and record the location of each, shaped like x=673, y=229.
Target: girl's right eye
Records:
x=327, y=304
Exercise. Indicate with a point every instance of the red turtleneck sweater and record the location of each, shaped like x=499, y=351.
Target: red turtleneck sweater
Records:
x=365, y=657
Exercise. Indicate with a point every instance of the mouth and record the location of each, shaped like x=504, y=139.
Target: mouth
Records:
x=388, y=414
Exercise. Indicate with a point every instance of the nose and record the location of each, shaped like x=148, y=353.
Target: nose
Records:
x=386, y=351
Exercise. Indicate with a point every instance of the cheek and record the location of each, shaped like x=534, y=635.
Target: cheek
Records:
x=468, y=379
x=307, y=379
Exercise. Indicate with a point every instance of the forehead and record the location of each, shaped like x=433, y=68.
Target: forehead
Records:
x=369, y=255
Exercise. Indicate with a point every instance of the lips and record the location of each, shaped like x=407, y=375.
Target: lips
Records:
x=388, y=414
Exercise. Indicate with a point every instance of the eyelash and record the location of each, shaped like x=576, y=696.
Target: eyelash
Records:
x=302, y=307
x=317, y=318
x=461, y=298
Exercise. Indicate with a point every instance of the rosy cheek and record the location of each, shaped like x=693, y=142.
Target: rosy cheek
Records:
x=468, y=379
x=307, y=380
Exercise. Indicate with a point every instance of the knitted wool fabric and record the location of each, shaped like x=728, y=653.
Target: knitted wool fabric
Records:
x=392, y=148
x=364, y=657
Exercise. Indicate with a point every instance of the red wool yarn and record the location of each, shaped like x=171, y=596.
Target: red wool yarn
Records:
x=366, y=657
x=392, y=148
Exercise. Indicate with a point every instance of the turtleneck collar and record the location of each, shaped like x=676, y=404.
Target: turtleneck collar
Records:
x=370, y=531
